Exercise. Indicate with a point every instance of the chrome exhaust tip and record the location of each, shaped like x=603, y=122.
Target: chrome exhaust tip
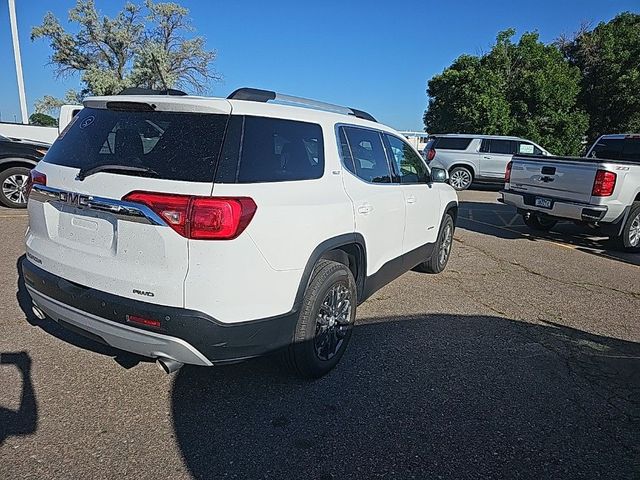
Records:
x=168, y=365
x=37, y=312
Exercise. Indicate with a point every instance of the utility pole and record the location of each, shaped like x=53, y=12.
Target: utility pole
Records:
x=18, y=60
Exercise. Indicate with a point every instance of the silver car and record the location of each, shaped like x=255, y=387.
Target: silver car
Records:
x=476, y=158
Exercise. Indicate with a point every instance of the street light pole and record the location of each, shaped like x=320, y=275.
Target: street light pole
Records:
x=18, y=60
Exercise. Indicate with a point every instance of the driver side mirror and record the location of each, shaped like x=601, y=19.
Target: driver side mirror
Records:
x=439, y=175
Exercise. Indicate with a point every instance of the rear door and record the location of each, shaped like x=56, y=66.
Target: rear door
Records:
x=495, y=154
x=379, y=204
x=569, y=180
x=82, y=230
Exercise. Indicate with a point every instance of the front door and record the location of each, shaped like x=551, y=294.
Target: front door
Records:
x=422, y=200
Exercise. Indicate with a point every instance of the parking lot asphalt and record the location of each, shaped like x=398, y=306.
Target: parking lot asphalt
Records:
x=521, y=360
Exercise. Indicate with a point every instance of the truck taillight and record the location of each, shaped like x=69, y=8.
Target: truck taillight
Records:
x=200, y=218
x=507, y=173
x=604, y=184
x=35, y=178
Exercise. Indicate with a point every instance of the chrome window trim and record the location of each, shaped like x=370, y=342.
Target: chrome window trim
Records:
x=121, y=209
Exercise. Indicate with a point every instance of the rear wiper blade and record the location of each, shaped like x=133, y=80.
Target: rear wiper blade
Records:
x=85, y=172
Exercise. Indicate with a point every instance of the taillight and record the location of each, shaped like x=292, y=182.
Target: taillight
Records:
x=507, y=173
x=35, y=178
x=431, y=154
x=604, y=183
x=201, y=218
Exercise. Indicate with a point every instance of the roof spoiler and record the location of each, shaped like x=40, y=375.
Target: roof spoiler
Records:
x=257, y=95
x=149, y=91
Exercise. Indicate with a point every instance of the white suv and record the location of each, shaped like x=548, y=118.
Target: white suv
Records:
x=209, y=230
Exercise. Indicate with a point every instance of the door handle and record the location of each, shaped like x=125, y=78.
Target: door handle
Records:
x=486, y=157
x=411, y=199
x=365, y=209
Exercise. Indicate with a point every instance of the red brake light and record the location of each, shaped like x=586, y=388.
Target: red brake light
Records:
x=604, y=183
x=35, y=178
x=431, y=154
x=201, y=218
x=507, y=173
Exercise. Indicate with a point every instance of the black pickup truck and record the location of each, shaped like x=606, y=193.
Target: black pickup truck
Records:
x=17, y=158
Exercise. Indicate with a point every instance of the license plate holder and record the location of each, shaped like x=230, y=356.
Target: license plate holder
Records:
x=543, y=202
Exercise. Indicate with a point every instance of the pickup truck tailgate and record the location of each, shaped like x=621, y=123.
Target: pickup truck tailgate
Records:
x=551, y=177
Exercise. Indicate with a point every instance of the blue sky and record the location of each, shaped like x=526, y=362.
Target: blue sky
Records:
x=373, y=55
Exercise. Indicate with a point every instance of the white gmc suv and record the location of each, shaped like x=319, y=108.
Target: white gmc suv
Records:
x=208, y=230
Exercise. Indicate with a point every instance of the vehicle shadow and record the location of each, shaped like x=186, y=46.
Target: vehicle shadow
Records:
x=124, y=359
x=433, y=396
x=503, y=221
x=24, y=420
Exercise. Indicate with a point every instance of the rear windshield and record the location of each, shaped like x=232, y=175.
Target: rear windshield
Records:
x=451, y=143
x=617, y=148
x=175, y=145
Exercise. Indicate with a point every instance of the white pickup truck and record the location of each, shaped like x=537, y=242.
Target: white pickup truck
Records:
x=601, y=190
x=34, y=133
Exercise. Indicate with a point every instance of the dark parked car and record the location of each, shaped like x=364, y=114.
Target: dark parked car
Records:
x=17, y=158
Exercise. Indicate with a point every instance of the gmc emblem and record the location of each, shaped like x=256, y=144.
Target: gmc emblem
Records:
x=75, y=199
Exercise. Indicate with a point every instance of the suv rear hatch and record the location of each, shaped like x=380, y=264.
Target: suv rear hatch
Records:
x=81, y=229
x=545, y=176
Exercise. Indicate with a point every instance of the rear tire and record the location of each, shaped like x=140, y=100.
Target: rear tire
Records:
x=538, y=222
x=326, y=320
x=13, y=182
x=629, y=239
x=460, y=178
x=439, y=258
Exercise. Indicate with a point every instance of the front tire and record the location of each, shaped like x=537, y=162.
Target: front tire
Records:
x=460, y=178
x=439, y=258
x=629, y=239
x=13, y=183
x=541, y=223
x=326, y=320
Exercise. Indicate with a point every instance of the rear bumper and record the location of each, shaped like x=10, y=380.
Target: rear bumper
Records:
x=184, y=335
x=560, y=208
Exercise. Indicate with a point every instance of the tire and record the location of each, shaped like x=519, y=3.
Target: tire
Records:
x=324, y=326
x=629, y=238
x=538, y=222
x=439, y=258
x=460, y=178
x=12, y=187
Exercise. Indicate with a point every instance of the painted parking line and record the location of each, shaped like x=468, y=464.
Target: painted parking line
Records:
x=553, y=242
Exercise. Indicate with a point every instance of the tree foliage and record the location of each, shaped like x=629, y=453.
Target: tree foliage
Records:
x=139, y=47
x=526, y=89
x=609, y=59
x=42, y=120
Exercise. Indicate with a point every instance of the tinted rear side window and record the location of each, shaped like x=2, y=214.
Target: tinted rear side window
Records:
x=502, y=146
x=175, y=145
x=451, y=143
x=260, y=149
x=368, y=155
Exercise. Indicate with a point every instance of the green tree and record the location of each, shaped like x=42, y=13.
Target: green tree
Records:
x=609, y=58
x=525, y=88
x=139, y=47
x=42, y=120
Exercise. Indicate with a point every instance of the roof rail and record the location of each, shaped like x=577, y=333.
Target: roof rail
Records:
x=149, y=91
x=257, y=95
